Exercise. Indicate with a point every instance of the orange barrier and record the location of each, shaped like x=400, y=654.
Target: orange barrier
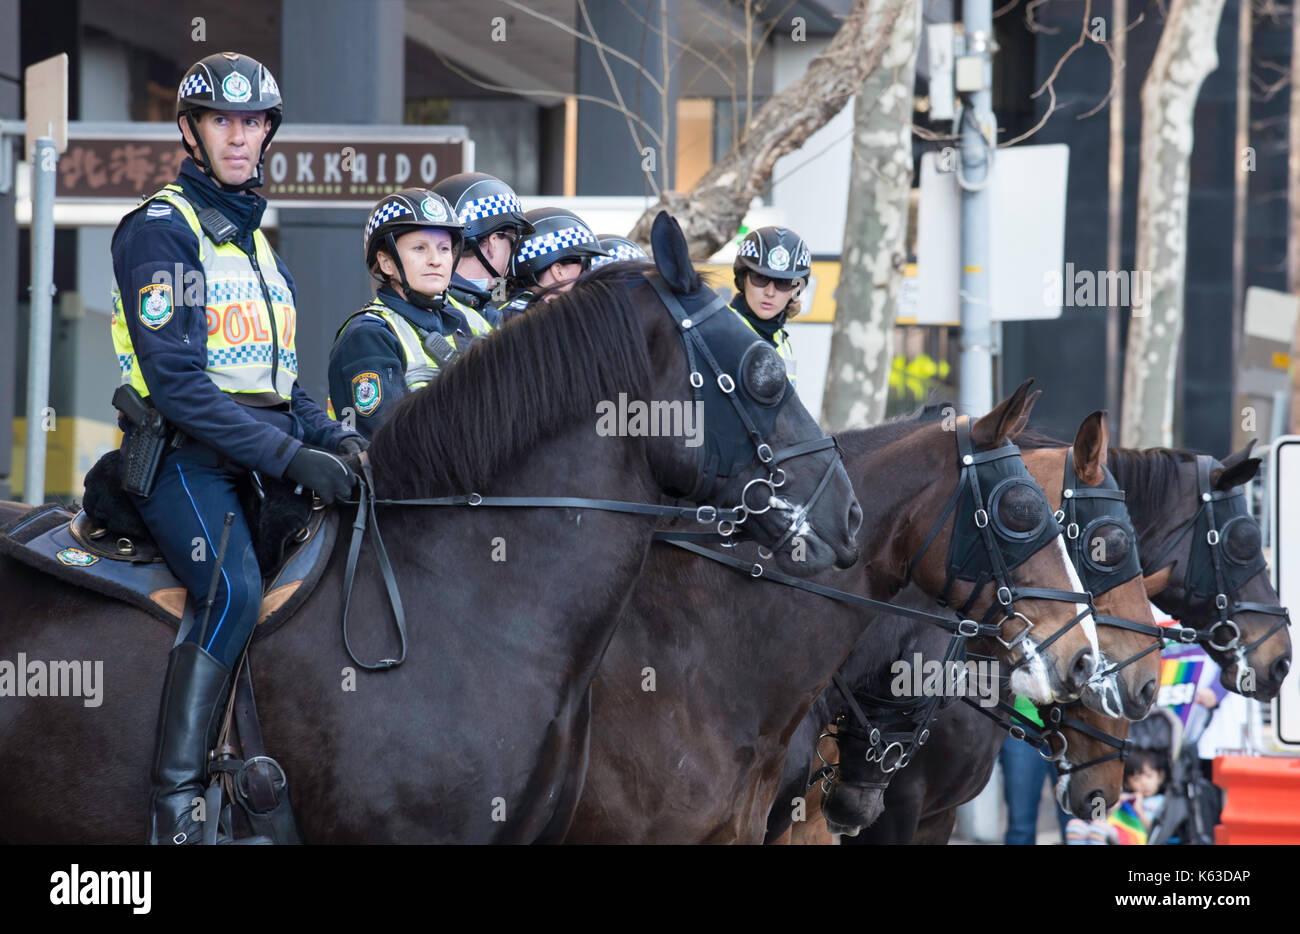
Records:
x=1261, y=800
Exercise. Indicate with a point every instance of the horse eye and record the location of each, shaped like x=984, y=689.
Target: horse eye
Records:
x=1242, y=540
x=1109, y=545
x=1020, y=509
x=762, y=373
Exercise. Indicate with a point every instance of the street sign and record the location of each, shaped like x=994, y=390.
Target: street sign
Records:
x=1284, y=488
x=46, y=102
x=1028, y=233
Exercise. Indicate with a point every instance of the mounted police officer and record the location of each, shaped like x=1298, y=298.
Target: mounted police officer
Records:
x=413, y=325
x=494, y=222
x=620, y=250
x=203, y=325
x=560, y=248
x=771, y=269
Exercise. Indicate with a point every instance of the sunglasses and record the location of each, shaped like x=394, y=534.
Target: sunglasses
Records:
x=759, y=281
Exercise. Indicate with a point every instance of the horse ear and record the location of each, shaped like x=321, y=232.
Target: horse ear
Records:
x=672, y=256
x=991, y=430
x=1090, y=448
x=1156, y=582
x=1232, y=460
x=1243, y=468
x=1022, y=422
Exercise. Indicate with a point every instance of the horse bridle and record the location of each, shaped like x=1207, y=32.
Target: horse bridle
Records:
x=999, y=469
x=756, y=415
x=1221, y=576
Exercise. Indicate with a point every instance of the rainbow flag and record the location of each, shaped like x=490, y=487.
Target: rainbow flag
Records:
x=1178, y=680
x=1128, y=825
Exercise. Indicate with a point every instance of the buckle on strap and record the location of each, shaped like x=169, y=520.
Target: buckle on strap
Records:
x=1019, y=636
x=968, y=628
x=706, y=514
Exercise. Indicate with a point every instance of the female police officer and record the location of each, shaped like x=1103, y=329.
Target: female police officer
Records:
x=413, y=325
x=205, y=315
x=772, y=267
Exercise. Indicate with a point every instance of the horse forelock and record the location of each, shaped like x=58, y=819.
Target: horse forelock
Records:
x=527, y=382
x=1151, y=481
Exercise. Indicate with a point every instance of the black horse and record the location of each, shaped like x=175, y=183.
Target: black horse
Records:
x=481, y=736
x=696, y=756
x=1164, y=497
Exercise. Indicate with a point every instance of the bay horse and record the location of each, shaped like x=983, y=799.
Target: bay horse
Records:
x=709, y=673
x=481, y=735
x=1165, y=495
x=1102, y=544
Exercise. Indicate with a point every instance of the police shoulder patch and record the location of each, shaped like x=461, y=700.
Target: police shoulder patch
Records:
x=366, y=392
x=156, y=305
x=75, y=557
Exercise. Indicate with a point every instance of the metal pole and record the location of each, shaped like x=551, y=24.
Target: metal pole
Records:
x=1115, y=201
x=978, y=142
x=45, y=157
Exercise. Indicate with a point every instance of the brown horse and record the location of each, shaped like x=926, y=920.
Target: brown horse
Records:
x=710, y=673
x=481, y=735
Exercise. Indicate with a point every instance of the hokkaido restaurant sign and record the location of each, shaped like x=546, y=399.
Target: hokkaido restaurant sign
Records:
x=311, y=172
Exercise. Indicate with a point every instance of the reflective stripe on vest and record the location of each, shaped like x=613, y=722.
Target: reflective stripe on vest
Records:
x=239, y=332
x=421, y=366
x=783, y=346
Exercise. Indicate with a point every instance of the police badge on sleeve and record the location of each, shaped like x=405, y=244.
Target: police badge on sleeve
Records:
x=156, y=305
x=366, y=392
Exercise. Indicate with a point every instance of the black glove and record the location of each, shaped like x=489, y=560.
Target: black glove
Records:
x=352, y=444
x=321, y=471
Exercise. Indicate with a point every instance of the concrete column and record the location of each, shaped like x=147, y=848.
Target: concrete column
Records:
x=341, y=62
x=609, y=161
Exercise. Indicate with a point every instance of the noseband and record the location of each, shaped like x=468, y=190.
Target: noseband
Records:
x=1214, y=573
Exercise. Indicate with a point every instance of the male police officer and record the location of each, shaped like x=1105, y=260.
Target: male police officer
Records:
x=620, y=250
x=493, y=223
x=559, y=249
x=413, y=325
x=204, y=322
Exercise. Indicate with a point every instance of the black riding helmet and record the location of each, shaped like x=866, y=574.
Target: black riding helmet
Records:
x=228, y=81
x=484, y=204
x=620, y=249
x=402, y=211
x=557, y=234
x=775, y=252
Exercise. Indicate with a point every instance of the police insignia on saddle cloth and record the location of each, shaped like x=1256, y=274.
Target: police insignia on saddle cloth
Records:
x=249, y=352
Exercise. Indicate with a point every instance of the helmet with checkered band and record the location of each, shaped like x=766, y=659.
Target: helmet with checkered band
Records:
x=620, y=249
x=557, y=235
x=403, y=211
x=228, y=81
x=775, y=252
x=484, y=204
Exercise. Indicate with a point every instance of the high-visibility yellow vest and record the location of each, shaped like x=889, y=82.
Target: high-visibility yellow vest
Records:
x=249, y=353
x=783, y=346
x=421, y=367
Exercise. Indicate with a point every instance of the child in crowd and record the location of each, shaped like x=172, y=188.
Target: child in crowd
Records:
x=1130, y=821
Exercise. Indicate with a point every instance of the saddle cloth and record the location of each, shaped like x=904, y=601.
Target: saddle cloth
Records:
x=54, y=540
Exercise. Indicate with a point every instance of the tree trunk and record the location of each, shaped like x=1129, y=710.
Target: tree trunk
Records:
x=1185, y=56
x=875, y=234
x=710, y=214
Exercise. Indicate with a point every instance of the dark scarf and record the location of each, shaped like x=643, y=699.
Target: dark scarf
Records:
x=766, y=328
x=244, y=209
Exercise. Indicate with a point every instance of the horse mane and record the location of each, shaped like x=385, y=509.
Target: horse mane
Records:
x=1150, y=479
x=860, y=441
x=525, y=383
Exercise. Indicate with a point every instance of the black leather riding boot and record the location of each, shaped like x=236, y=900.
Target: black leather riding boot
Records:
x=188, y=721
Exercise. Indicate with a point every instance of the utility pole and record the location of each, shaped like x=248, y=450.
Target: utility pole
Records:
x=1115, y=199
x=979, y=128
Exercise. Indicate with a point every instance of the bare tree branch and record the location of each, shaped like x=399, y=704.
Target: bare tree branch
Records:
x=1032, y=23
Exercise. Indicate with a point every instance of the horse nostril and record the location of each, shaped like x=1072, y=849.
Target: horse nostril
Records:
x=855, y=518
x=1279, y=668
x=1148, y=693
x=1081, y=668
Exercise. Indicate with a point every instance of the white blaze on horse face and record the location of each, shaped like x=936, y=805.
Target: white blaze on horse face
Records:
x=1106, y=690
x=1088, y=624
x=1031, y=678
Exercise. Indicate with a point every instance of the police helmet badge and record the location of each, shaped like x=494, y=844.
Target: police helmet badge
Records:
x=156, y=305
x=236, y=88
x=433, y=208
x=779, y=258
x=366, y=392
